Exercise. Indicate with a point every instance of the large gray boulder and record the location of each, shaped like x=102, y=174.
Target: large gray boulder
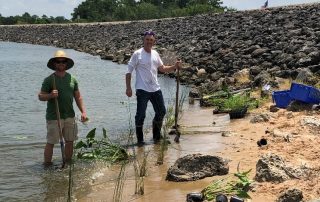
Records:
x=273, y=168
x=197, y=166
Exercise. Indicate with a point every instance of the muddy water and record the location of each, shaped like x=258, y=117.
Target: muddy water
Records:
x=156, y=188
x=22, y=120
x=22, y=132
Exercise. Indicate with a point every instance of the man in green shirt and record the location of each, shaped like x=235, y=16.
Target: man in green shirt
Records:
x=64, y=87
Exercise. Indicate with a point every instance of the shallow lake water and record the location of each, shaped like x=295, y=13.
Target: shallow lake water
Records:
x=22, y=122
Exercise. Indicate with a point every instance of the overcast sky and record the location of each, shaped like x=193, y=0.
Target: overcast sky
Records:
x=65, y=7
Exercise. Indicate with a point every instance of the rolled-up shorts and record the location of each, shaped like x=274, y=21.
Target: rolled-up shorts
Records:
x=69, y=130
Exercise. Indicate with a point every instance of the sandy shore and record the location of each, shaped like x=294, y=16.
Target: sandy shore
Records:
x=301, y=149
x=199, y=136
x=241, y=147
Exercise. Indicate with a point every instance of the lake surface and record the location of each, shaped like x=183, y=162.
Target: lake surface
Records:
x=23, y=126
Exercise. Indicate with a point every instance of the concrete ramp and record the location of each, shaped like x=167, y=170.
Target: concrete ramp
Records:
x=196, y=120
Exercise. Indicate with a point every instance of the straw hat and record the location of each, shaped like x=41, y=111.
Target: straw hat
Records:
x=60, y=54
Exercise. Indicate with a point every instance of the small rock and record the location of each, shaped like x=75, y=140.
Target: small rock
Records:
x=289, y=115
x=201, y=72
x=291, y=195
x=260, y=118
x=273, y=108
x=227, y=134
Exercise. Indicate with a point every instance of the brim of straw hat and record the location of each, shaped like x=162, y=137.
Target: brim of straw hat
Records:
x=50, y=64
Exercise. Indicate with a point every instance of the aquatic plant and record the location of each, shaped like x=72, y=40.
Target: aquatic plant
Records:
x=117, y=194
x=240, y=187
x=169, y=121
x=169, y=118
x=163, y=146
x=140, y=170
x=103, y=149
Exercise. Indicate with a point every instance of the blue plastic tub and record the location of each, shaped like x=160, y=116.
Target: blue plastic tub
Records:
x=282, y=98
x=304, y=93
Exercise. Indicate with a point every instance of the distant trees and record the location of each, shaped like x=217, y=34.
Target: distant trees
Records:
x=111, y=10
x=119, y=10
x=26, y=18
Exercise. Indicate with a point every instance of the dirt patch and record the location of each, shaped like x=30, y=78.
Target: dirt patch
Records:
x=287, y=136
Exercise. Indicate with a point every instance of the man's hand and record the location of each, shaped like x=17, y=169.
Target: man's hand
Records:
x=84, y=117
x=54, y=94
x=178, y=64
x=129, y=92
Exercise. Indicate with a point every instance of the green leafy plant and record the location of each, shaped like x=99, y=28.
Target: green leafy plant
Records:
x=243, y=184
x=103, y=149
x=236, y=102
x=218, y=98
x=218, y=102
x=239, y=187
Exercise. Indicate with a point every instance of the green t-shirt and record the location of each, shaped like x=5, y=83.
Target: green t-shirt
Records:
x=66, y=87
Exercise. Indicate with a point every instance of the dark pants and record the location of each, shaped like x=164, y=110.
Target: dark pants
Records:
x=156, y=99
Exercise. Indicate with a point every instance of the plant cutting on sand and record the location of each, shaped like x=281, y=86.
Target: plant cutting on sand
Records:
x=103, y=149
x=239, y=187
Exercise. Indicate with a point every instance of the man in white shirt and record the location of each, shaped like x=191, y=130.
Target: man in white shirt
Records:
x=146, y=62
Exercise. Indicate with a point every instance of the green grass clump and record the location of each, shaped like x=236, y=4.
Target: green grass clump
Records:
x=236, y=102
x=218, y=102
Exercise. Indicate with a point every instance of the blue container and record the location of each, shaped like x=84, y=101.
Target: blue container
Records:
x=304, y=93
x=282, y=98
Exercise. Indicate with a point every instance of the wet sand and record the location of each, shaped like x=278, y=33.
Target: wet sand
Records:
x=201, y=133
x=241, y=147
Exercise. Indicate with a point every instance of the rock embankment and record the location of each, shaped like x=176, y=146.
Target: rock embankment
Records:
x=276, y=42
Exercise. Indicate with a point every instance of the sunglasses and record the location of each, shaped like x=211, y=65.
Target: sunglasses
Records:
x=149, y=33
x=61, y=62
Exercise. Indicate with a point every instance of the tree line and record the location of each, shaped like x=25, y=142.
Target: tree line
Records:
x=120, y=10
x=26, y=18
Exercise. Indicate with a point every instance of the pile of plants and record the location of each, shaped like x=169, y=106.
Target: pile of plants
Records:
x=236, y=103
x=100, y=149
x=226, y=102
x=239, y=187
